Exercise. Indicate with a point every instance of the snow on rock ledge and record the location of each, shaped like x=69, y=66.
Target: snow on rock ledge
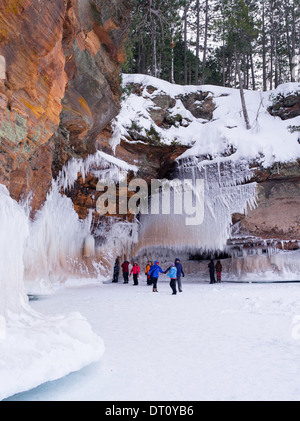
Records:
x=213, y=126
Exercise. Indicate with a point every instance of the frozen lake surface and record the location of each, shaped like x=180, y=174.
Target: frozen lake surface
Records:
x=212, y=342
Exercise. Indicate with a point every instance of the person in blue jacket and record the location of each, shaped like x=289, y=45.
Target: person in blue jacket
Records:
x=180, y=273
x=173, y=276
x=154, y=273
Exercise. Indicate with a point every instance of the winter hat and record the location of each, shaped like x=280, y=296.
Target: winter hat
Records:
x=172, y=265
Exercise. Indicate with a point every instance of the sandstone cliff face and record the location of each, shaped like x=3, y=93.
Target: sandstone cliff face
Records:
x=61, y=86
x=277, y=218
x=277, y=215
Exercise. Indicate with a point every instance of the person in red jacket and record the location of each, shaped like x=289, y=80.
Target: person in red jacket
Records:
x=219, y=269
x=125, y=268
x=136, y=272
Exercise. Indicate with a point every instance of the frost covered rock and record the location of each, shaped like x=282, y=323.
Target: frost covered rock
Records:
x=162, y=103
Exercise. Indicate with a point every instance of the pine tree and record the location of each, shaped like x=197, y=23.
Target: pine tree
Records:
x=235, y=43
x=154, y=32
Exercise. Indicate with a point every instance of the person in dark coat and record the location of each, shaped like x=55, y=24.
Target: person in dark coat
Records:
x=180, y=274
x=212, y=271
x=219, y=269
x=116, y=272
x=125, y=268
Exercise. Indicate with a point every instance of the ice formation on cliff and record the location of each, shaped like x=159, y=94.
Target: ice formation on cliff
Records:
x=226, y=192
x=33, y=348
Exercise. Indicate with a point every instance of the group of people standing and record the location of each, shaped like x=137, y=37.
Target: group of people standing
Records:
x=135, y=271
x=175, y=273
x=153, y=270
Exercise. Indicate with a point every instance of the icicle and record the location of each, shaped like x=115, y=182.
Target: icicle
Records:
x=101, y=165
x=224, y=195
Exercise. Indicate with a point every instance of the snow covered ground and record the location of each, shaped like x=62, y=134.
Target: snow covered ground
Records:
x=213, y=342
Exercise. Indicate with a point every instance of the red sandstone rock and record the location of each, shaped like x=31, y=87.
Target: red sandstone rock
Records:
x=277, y=215
x=62, y=62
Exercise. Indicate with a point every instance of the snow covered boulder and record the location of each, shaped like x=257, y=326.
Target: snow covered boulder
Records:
x=162, y=103
x=286, y=105
x=200, y=104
